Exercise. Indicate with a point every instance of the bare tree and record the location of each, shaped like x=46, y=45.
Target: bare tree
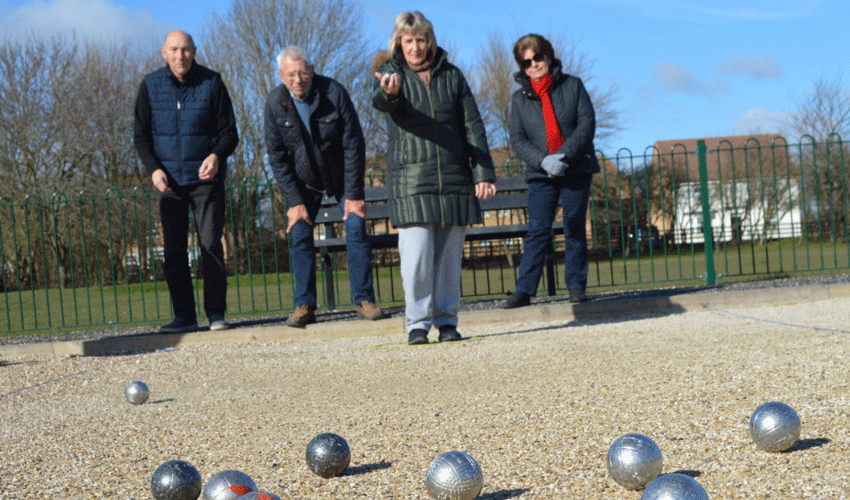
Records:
x=495, y=84
x=66, y=125
x=33, y=81
x=824, y=111
x=243, y=44
x=823, y=121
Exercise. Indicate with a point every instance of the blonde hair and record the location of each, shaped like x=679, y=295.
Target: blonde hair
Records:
x=409, y=22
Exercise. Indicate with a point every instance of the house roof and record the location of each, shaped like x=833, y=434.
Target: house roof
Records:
x=740, y=155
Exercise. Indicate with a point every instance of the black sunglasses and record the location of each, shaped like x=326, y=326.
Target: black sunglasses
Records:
x=526, y=63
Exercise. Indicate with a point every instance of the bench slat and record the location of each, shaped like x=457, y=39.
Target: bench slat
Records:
x=511, y=195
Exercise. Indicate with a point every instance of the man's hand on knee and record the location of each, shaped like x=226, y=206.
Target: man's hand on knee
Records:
x=356, y=207
x=295, y=214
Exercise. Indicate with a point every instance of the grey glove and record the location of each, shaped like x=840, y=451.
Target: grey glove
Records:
x=554, y=165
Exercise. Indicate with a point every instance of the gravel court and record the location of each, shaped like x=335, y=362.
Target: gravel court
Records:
x=536, y=403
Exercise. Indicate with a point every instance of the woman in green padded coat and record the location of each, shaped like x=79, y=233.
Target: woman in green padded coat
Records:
x=438, y=166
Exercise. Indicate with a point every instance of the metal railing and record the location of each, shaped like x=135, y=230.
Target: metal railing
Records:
x=695, y=213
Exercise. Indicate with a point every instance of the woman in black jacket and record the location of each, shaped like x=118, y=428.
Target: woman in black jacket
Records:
x=552, y=128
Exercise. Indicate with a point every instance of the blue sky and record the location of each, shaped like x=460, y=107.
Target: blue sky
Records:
x=684, y=69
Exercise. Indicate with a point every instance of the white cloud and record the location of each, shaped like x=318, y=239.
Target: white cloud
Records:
x=94, y=20
x=759, y=121
x=761, y=67
x=679, y=78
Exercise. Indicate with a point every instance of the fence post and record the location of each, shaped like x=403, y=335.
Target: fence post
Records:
x=708, y=236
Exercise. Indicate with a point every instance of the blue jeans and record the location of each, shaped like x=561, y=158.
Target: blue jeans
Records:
x=572, y=194
x=302, y=253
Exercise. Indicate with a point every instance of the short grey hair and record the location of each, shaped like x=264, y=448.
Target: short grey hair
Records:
x=292, y=52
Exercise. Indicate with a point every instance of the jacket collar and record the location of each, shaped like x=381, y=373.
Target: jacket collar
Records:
x=190, y=75
x=524, y=82
x=440, y=58
x=288, y=101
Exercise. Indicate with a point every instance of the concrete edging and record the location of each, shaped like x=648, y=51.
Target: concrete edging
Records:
x=673, y=304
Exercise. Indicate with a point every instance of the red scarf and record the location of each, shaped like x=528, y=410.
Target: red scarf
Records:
x=553, y=133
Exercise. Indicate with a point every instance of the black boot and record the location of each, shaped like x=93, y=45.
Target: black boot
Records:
x=417, y=337
x=517, y=299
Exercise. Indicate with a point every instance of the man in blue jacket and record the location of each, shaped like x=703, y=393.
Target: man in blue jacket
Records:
x=316, y=147
x=184, y=131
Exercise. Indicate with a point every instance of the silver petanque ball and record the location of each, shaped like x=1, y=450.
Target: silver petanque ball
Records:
x=176, y=480
x=633, y=461
x=674, y=486
x=328, y=455
x=228, y=485
x=387, y=74
x=260, y=495
x=775, y=426
x=454, y=475
x=136, y=392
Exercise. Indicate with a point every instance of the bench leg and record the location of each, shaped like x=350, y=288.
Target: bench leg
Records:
x=328, y=271
x=550, y=274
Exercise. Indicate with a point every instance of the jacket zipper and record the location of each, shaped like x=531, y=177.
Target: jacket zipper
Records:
x=439, y=162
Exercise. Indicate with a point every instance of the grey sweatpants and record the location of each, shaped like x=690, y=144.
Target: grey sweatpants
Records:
x=431, y=256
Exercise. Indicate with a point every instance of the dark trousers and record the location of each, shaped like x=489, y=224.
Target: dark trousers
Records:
x=571, y=193
x=207, y=202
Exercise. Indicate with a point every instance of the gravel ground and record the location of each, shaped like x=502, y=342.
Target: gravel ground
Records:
x=536, y=403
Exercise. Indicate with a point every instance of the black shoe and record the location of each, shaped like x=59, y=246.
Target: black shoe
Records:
x=217, y=322
x=180, y=325
x=417, y=337
x=517, y=299
x=449, y=333
x=577, y=295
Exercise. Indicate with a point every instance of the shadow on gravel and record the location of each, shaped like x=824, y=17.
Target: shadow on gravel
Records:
x=530, y=330
x=160, y=401
x=688, y=472
x=807, y=444
x=13, y=363
x=500, y=495
x=614, y=311
x=117, y=346
x=366, y=468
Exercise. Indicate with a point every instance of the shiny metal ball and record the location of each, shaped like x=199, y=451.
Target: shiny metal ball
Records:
x=260, y=495
x=136, y=392
x=228, y=485
x=775, y=426
x=328, y=455
x=176, y=480
x=454, y=475
x=674, y=486
x=633, y=461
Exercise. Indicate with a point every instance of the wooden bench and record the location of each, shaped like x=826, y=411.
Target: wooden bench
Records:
x=511, y=195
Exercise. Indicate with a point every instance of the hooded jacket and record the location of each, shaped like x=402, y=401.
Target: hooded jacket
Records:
x=576, y=119
x=437, y=148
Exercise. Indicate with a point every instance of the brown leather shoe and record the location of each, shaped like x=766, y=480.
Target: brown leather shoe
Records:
x=303, y=316
x=368, y=310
